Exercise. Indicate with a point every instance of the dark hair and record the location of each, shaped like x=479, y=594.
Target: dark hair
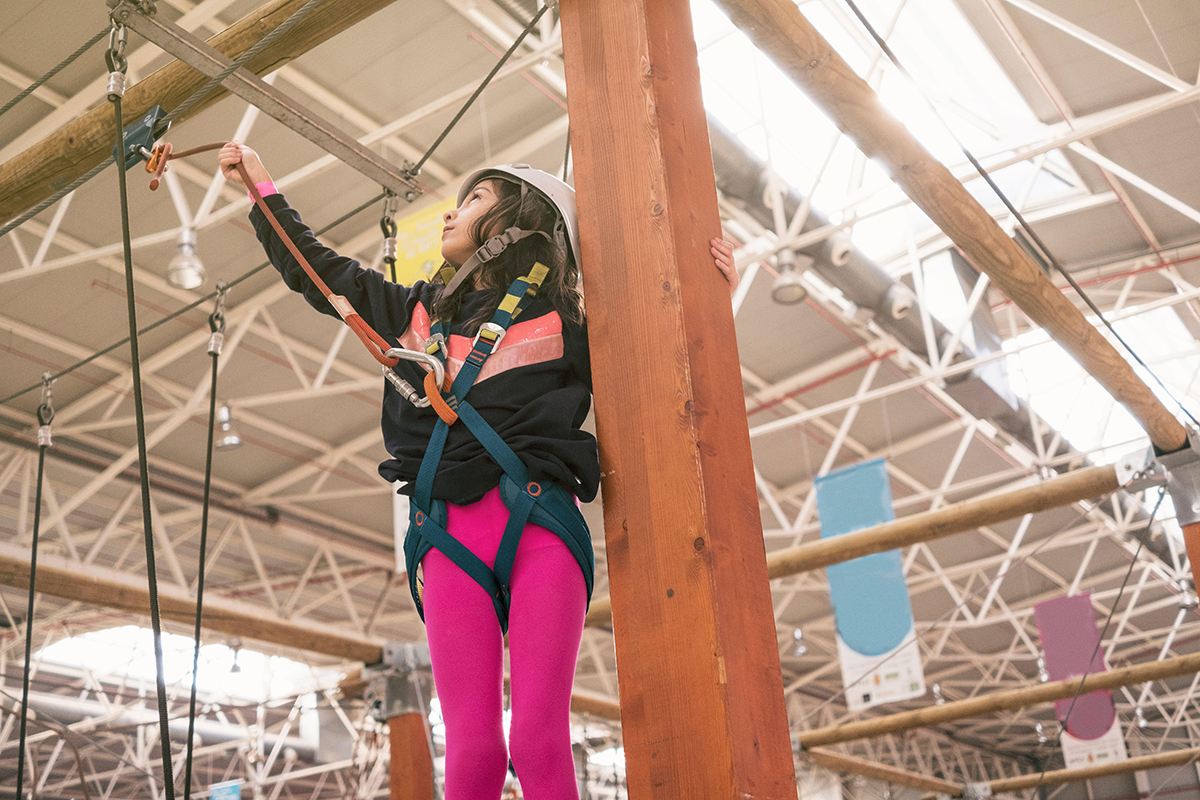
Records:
x=530, y=212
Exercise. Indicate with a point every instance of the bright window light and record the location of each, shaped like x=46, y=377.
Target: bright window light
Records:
x=128, y=651
x=1068, y=399
x=750, y=96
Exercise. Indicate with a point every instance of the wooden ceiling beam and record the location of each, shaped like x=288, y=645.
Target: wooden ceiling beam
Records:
x=780, y=31
x=35, y=174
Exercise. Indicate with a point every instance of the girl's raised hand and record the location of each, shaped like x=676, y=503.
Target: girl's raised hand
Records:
x=233, y=153
x=723, y=254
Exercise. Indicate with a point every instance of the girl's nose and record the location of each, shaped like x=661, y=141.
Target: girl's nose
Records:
x=448, y=217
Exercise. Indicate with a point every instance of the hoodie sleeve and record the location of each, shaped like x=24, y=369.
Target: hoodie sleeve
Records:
x=385, y=306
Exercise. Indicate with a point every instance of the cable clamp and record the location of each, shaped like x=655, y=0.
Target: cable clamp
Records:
x=216, y=320
x=389, y=248
x=45, y=412
x=115, y=59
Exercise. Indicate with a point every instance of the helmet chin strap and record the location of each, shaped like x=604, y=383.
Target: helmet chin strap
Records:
x=489, y=250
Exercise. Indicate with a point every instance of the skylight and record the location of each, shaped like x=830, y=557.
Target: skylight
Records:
x=749, y=95
x=128, y=652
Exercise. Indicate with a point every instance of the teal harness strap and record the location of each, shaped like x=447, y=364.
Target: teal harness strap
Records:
x=550, y=506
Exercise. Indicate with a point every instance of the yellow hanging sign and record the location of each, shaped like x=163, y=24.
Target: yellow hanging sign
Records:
x=419, y=244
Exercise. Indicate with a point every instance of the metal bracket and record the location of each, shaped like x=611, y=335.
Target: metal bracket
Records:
x=1139, y=471
x=1183, y=478
x=401, y=683
x=977, y=791
x=197, y=54
x=140, y=136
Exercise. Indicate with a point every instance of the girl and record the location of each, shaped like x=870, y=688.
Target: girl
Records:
x=511, y=245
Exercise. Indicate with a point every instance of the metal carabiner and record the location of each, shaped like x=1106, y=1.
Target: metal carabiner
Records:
x=405, y=388
x=45, y=411
x=216, y=320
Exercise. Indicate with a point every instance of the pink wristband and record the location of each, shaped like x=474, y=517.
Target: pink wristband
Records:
x=265, y=188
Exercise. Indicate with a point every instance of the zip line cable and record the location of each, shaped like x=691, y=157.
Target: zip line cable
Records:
x=1062, y=730
x=1012, y=209
x=212, y=295
x=190, y=306
x=174, y=114
x=116, y=90
x=239, y=62
x=216, y=324
x=416, y=168
x=45, y=414
x=31, y=88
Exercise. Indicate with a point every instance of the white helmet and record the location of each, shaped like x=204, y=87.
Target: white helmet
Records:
x=558, y=194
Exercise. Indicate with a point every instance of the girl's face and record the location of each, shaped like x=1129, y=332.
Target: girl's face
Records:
x=457, y=244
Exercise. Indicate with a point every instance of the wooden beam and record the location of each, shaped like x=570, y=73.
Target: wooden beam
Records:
x=968, y=515
x=779, y=29
x=67, y=154
x=1001, y=701
x=107, y=588
x=410, y=769
x=701, y=687
x=1171, y=759
x=882, y=772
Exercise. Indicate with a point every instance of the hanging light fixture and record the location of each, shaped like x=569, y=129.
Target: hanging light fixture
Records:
x=788, y=288
x=228, y=438
x=1043, y=675
x=185, y=270
x=1041, y=733
x=800, y=648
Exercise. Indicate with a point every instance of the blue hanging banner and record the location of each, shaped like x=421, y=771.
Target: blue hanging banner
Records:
x=880, y=658
x=229, y=790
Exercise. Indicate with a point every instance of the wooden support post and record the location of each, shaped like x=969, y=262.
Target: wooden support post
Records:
x=67, y=154
x=779, y=29
x=1001, y=701
x=882, y=772
x=410, y=771
x=1156, y=761
x=1191, y=541
x=1054, y=493
x=701, y=687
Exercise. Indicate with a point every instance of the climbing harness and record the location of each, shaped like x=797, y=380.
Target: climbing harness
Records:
x=548, y=505
x=45, y=414
x=116, y=89
x=216, y=339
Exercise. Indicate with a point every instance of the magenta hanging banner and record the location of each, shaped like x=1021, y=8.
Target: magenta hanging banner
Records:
x=1070, y=642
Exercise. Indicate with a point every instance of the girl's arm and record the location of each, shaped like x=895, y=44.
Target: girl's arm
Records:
x=385, y=306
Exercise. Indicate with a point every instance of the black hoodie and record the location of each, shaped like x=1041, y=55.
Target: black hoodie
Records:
x=535, y=389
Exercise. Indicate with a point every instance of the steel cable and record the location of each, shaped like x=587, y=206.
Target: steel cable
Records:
x=217, y=326
x=189, y=307
x=45, y=415
x=66, y=62
x=140, y=416
x=240, y=61
x=416, y=168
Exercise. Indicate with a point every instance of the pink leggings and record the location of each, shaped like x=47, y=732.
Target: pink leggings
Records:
x=467, y=650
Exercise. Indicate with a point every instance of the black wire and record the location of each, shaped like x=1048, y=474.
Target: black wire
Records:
x=1017, y=215
x=212, y=413
x=140, y=414
x=567, y=154
x=1162, y=492
x=31, y=88
x=237, y=63
x=37, y=519
x=512, y=49
x=173, y=315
